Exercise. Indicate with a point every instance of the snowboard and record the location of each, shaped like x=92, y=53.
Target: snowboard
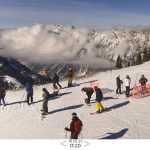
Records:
x=95, y=113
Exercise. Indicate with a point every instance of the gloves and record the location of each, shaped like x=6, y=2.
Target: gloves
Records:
x=66, y=128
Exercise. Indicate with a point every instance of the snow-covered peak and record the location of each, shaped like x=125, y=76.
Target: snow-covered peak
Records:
x=47, y=42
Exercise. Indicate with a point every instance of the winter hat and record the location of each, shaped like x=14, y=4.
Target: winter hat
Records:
x=95, y=87
x=83, y=89
x=74, y=114
x=44, y=89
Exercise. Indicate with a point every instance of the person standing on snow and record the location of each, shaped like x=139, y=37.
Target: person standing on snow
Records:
x=70, y=77
x=89, y=91
x=45, y=96
x=56, y=81
x=99, y=97
x=2, y=95
x=29, y=89
x=118, y=82
x=75, y=126
x=127, y=85
x=143, y=82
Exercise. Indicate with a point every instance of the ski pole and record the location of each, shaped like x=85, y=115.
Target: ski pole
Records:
x=22, y=96
x=81, y=135
x=135, y=79
x=66, y=135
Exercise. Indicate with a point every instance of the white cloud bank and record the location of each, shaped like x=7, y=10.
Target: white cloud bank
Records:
x=56, y=44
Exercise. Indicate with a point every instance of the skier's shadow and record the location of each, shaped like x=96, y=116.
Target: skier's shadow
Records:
x=51, y=98
x=86, y=82
x=106, y=90
x=104, y=99
x=66, y=108
x=34, y=102
x=116, y=135
x=118, y=105
x=13, y=103
x=108, y=98
x=61, y=94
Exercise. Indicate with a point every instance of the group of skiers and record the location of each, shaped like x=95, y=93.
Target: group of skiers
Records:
x=76, y=124
x=99, y=96
x=127, y=82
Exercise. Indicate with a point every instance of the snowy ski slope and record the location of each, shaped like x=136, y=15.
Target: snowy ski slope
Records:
x=127, y=118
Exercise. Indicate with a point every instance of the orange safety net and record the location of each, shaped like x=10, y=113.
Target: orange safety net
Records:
x=93, y=84
x=141, y=91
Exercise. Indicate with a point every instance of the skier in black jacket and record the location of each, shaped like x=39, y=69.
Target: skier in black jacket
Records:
x=89, y=91
x=56, y=81
x=143, y=82
x=118, y=82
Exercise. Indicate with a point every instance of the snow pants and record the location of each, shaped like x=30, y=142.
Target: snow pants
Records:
x=70, y=81
x=55, y=85
x=99, y=106
x=29, y=98
x=2, y=99
x=45, y=106
x=127, y=91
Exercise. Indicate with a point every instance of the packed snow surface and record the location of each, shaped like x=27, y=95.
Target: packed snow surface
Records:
x=128, y=118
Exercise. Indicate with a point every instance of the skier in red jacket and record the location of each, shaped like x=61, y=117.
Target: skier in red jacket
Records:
x=70, y=77
x=75, y=126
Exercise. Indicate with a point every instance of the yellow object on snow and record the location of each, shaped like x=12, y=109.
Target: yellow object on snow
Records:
x=99, y=106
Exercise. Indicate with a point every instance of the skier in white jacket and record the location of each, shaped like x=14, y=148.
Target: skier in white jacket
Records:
x=127, y=85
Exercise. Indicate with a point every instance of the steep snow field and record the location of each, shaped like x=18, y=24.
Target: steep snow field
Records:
x=127, y=118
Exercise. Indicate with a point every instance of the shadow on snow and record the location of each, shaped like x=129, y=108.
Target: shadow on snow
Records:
x=108, y=98
x=115, y=135
x=66, y=108
x=118, y=105
x=34, y=102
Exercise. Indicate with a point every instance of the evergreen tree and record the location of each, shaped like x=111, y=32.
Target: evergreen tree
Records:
x=119, y=62
x=1, y=80
x=138, y=59
x=148, y=54
x=145, y=55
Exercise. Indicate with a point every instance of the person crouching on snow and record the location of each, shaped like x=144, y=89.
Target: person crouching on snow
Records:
x=89, y=91
x=45, y=101
x=55, y=91
x=99, y=97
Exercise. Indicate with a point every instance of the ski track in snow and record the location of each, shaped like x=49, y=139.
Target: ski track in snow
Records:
x=18, y=120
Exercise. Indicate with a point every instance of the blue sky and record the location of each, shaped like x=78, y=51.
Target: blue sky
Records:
x=91, y=13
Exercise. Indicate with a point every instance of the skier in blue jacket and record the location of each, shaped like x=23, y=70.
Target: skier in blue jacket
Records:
x=29, y=89
x=99, y=96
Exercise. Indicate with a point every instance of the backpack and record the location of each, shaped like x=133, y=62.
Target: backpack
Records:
x=78, y=126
